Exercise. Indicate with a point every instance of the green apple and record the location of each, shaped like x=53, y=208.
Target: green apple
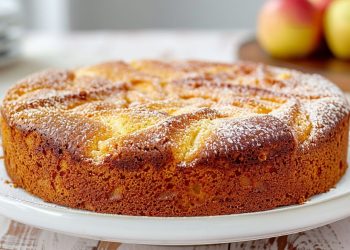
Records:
x=289, y=28
x=337, y=28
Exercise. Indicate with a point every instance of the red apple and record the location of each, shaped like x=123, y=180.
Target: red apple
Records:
x=289, y=28
x=321, y=4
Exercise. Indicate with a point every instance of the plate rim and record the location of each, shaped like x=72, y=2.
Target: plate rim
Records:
x=64, y=215
x=193, y=230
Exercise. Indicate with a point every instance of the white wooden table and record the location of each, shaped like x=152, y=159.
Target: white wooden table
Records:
x=42, y=51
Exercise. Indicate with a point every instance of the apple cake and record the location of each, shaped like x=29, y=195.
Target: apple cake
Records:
x=185, y=138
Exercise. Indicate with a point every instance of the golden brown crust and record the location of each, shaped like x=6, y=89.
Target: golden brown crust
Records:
x=175, y=139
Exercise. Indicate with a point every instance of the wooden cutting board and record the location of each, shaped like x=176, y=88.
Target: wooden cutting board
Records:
x=321, y=62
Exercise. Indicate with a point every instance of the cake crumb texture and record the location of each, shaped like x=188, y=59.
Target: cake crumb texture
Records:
x=184, y=138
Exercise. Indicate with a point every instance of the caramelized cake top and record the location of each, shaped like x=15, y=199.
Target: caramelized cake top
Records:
x=189, y=113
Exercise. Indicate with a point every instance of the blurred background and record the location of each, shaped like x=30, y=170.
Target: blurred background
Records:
x=44, y=33
x=40, y=34
x=66, y=15
x=309, y=35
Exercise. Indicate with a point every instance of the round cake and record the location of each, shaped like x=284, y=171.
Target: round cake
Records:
x=175, y=138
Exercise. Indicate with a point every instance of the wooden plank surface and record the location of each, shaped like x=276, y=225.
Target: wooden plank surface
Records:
x=14, y=235
x=322, y=63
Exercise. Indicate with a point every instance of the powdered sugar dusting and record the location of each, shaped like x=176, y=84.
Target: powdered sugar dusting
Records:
x=158, y=109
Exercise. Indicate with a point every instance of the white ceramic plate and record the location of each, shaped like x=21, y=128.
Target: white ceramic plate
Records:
x=320, y=210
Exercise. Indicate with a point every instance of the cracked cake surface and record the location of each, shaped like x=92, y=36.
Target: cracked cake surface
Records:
x=175, y=138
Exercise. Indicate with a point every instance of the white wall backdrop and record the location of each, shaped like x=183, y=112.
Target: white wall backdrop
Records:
x=65, y=15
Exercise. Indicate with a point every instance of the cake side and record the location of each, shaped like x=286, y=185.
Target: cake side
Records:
x=211, y=189
x=175, y=139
